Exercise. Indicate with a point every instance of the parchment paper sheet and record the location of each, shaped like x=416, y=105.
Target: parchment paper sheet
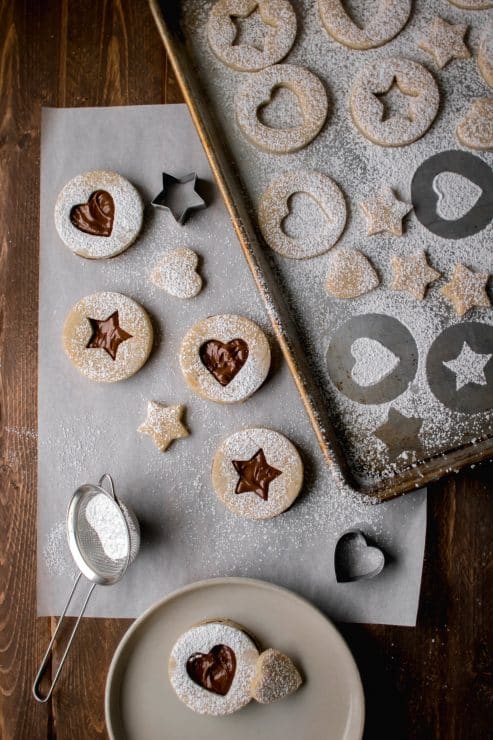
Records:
x=86, y=429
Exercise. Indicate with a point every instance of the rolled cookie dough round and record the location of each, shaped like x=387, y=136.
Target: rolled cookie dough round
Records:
x=212, y=666
x=472, y=4
x=376, y=79
x=257, y=92
x=388, y=20
x=257, y=473
x=98, y=214
x=107, y=336
x=279, y=21
x=274, y=207
x=225, y=358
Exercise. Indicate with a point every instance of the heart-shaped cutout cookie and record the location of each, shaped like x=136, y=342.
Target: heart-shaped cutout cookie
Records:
x=457, y=195
x=177, y=273
x=374, y=361
x=213, y=671
x=282, y=110
x=96, y=216
x=224, y=360
x=276, y=677
x=355, y=559
x=475, y=130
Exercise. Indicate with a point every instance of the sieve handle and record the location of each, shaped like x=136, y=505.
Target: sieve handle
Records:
x=47, y=657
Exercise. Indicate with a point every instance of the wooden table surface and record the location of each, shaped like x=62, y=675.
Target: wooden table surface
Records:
x=435, y=681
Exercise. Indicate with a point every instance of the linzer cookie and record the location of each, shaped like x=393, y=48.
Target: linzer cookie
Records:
x=225, y=358
x=257, y=473
x=98, y=214
x=107, y=336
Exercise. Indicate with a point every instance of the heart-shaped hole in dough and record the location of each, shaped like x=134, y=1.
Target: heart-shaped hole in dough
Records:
x=282, y=110
x=305, y=217
x=374, y=361
x=456, y=195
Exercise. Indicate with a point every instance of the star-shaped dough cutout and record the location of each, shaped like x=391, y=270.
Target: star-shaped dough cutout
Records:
x=163, y=424
x=385, y=213
x=107, y=335
x=469, y=367
x=466, y=290
x=412, y=274
x=444, y=41
x=400, y=434
x=179, y=196
x=256, y=475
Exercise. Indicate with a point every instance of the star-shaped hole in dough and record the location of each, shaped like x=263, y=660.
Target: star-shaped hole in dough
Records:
x=400, y=434
x=444, y=41
x=466, y=290
x=468, y=367
x=385, y=213
x=250, y=30
x=412, y=274
x=256, y=475
x=163, y=424
x=107, y=335
x=396, y=103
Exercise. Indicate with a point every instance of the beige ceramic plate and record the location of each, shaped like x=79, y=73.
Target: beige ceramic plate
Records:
x=141, y=705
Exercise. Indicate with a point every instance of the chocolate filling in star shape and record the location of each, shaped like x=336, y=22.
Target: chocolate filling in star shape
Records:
x=107, y=335
x=256, y=475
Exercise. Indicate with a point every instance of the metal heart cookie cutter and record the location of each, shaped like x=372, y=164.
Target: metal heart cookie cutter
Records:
x=104, y=538
x=355, y=559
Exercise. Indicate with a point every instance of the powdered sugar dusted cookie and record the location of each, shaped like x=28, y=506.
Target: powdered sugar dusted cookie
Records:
x=374, y=81
x=472, y=4
x=107, y=336
x=98, y=214
x=389, y=18
x=279, y=24
x=444, y=41
x=211, y=667
x=384, y=212
x=475, y=130
x=467, y=290
x=350, y=274
x=412, y=274
x=257, y=473
x=274, y=208
x=225, y=358
x=276, y=677
x=257, y=92
x=176, y=273
x=485, y=54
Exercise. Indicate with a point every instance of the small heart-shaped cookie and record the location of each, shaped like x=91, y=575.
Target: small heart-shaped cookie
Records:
x=350, y=275
x=276, y=677
x=355, y=559
x=96, y=216
x=213, y=671
x=475, y=130
x=177, y=273
x=224, y=361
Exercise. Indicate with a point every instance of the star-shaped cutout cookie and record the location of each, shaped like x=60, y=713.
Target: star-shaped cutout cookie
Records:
x=412, y=274
x=400, y=434
x=163, y=424
x=444, y=41
x=385, y=213
x=256, y=475
x=468, y=367
x=179, y=196
x=107, y=335
x=466, y=290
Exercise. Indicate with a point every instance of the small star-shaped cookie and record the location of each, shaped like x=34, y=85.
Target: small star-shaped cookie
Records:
x=412, y=274
x=385, y=213
x=107, y=335
x=400, y=433
x=163, y=424
x=466, y=290
x=444, y=41
x=256, y=475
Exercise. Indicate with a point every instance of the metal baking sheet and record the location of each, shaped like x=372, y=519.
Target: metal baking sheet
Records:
x=452, y=431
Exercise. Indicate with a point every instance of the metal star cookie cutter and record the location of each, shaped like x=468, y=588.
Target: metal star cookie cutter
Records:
x=357, y=558
x=179, y=196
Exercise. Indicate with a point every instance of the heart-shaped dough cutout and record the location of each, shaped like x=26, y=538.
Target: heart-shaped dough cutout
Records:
x=350, y=274
x=475, y=130
x=276, y=677
x=96, y=216
x=374, y=361
x=224, y=360
x=282, y=110
x=177, y=273
x=213, y=671
x=304, y=218
x=355, y=559
x=456, y=195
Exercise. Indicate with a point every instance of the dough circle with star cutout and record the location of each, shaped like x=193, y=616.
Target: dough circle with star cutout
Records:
x=389, y=18
x=257, y=473
x=274, y=208
x=225, y=358
x=257, y=92
x=279, y=20
x=98, y=214
x=108, y=336
x=376, y=79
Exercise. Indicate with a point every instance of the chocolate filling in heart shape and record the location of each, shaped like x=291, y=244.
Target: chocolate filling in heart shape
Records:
x=224, y=361
x=213, y=671
x=96, y=216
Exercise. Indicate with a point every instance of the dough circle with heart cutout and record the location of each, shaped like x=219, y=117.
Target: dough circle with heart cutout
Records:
x=98, y=214
x=274, y=207
x=388, y=19
x=279, y=24
x=225, y=358
x=257, y=92
x=211, y=667
x=257, y=473
x=108, y=336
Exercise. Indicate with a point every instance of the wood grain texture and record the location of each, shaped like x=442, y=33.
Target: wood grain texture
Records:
x=432, y=682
